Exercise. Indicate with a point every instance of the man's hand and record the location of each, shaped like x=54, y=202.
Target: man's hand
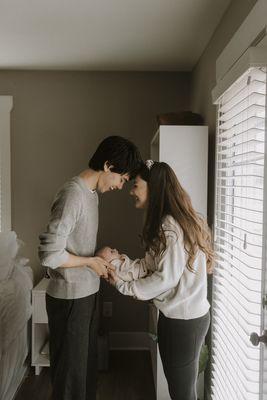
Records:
x=100, y=266
x=112, y=277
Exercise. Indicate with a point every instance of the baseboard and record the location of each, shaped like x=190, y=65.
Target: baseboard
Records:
x=129, y=341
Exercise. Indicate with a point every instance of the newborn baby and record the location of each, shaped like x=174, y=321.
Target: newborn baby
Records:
x=126, y=269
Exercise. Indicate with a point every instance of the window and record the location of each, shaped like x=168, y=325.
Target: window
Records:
x=239, y=217
x=5, y=196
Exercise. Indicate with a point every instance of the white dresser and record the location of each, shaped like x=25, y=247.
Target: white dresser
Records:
x=185, y=149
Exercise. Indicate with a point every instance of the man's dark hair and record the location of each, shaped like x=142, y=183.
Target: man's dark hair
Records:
x=119, y=152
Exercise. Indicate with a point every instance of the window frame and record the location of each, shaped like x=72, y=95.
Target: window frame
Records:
x=6, y=105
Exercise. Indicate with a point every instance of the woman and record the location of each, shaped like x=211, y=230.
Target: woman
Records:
x=178, y=256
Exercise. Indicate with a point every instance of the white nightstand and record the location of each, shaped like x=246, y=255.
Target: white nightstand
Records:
x=39, y=326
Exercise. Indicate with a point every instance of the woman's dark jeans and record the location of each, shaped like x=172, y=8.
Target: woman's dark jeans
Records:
x=180, y=342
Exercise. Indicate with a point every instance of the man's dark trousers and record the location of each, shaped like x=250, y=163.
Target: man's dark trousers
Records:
x=73, y=326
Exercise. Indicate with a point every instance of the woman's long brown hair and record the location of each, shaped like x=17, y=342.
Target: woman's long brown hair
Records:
x=166, y=196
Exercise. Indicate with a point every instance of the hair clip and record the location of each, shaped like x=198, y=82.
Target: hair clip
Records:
x=149, y=164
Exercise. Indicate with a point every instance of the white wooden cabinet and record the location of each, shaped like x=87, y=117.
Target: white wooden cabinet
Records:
x=185, y=149
x=39, y=326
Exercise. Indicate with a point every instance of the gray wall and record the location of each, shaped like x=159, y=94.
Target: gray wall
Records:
x=57, y=121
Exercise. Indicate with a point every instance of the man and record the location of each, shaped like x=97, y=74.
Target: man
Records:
x=67, y=248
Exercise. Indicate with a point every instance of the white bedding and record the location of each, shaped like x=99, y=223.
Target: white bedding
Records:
x=15, y=304
x=13, y=365
x=15, y=312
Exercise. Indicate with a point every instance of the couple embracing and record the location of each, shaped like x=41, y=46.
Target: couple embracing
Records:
x=173, y=272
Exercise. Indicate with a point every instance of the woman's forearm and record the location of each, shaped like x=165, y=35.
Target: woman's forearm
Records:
x=169, y=270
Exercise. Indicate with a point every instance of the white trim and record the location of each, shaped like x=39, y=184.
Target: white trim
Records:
x=253, y=57
x=129, y=341
x=244, y=37
x=6, y=105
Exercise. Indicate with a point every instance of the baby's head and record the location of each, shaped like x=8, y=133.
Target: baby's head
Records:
x=107, y=253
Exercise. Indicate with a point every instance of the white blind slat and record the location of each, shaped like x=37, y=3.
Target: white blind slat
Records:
x=250, y=134
x=238, y=237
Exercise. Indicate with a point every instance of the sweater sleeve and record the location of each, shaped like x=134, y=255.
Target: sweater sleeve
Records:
x=170, y=267
x=128, y=270
x=64, y=215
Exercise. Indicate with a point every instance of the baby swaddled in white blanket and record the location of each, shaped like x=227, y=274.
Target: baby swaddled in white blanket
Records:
x=126, y=269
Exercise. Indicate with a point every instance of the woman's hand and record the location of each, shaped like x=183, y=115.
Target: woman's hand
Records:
x=112, y=277
x=100, y=266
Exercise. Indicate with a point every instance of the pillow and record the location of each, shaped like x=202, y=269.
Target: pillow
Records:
x=8, y=250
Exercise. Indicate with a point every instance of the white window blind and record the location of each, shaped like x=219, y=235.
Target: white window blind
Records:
x=237, y=281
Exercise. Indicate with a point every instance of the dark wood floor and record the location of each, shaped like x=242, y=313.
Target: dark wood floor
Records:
x=129, y=378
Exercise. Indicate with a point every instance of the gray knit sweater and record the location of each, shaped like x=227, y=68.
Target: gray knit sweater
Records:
x=72, y=228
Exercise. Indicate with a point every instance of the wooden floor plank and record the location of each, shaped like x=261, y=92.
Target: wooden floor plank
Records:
x=129, y=378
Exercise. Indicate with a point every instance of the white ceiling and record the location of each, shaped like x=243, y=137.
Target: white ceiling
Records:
x=106, y=35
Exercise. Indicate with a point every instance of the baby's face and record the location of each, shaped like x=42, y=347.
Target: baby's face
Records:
x=109, y=254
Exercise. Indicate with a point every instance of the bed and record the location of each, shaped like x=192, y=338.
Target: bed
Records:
x=15, y=312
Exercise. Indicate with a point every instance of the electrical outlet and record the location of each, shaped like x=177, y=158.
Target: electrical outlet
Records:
x=107, y=309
